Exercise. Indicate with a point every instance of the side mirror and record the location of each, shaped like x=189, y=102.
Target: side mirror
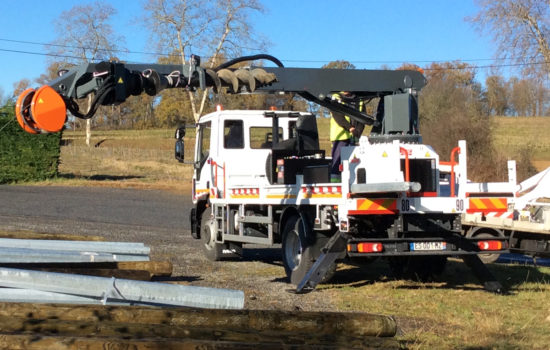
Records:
x=180, y=146
x=179, y=150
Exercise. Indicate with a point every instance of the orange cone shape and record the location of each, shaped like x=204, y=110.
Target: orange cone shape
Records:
x=48, y=109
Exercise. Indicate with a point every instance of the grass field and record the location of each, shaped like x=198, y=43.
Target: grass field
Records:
x=512, y=133
x=453, y=313
x=144, y=158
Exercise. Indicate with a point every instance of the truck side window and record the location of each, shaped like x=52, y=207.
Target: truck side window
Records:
x=205, y=142
x=261, y=137
x=233, y=134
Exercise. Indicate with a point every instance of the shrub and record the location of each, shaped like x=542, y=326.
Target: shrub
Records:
x=26, y=157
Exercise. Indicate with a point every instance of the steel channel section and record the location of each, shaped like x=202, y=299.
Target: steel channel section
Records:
x=24, y=255
x=16, y=295
x=85, y=246
x=122, y=290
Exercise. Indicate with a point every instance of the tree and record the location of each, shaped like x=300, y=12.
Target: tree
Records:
x=20, y=86
x=450, y=109
x=85, y=35
x=339, y=64
x=497, y=91
x=219, y=27
x=520, y=28
x=522, y=97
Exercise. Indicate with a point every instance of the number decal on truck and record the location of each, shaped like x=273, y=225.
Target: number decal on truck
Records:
x=405, y=205
x=459, y=204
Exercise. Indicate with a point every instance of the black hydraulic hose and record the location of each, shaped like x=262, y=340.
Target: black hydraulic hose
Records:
x=249, y=58
x=106, y=88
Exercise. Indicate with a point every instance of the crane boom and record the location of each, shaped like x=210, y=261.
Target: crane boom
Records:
x=114, y=82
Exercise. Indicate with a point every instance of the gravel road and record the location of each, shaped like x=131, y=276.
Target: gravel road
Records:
x=160, y=220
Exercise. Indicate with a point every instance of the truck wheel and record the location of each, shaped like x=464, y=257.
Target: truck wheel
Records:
x=212, y=250
x=487, y=258
x=297, y=252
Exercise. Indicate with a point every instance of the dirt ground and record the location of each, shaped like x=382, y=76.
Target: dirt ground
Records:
x=160, y=220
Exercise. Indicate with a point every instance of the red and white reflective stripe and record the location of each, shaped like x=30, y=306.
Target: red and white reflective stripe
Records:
x=504, y=215
x=322, y=189
x=245, y=192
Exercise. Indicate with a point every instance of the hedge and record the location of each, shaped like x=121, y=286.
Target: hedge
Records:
x=23, y=156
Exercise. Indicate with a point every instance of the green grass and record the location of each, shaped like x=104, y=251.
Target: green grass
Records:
x=453, y=312
x=512, y=133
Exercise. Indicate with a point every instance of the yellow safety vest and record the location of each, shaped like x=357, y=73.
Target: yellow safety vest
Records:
x=338, y=133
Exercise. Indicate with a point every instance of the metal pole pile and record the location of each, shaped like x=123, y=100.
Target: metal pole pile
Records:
x=62, y=251
x=31, y=285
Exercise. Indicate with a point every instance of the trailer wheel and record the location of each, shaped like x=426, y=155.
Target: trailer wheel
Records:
x=487, y=258
x=297, y=253
x=212, y=250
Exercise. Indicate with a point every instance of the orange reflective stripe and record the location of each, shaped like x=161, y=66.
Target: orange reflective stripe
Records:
x=375, y=206
x=488, y=204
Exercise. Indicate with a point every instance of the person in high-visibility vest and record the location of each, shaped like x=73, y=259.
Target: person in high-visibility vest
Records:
x=342, y=131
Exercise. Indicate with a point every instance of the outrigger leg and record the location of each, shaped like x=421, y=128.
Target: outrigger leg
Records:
x=483, y=274
x=329, y=253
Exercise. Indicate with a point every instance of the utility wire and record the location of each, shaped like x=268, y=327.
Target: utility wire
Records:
x=288, y=60
x=252, y=49
x=8, y=123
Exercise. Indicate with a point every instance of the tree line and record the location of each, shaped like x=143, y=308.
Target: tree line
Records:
x=453, y=105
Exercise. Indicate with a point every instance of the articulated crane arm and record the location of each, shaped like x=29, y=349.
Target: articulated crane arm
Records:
x=45, y=109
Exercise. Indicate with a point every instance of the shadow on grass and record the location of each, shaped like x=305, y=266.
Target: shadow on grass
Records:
x=176, y=279
x=99, y=177
x=456, y=276
x=270, y=256
x=513, y=278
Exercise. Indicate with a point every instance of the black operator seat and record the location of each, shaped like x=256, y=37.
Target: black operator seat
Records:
x=307, y=134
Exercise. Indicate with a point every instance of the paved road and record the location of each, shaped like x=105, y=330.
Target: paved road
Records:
x=92, y=210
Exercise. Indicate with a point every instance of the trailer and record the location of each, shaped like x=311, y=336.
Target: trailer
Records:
x=518, y=212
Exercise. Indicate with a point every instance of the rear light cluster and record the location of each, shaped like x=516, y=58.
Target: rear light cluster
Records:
x=366, y=247
x=489, y=245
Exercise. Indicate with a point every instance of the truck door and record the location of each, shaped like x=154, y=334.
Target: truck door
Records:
x=201, y=175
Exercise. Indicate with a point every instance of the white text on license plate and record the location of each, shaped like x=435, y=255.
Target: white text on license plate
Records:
x=428, y=246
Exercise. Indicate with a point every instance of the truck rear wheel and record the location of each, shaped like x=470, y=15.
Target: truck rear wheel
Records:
x=212, y=250
x=297, y=257
x=299, y=251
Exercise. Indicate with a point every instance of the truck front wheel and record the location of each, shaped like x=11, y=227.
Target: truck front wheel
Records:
x=212, y=250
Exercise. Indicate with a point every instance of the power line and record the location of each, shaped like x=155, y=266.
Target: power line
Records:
x=252, y=49
x=40, y=53
x=86, y=48
x=103, y=50
x=287, y=60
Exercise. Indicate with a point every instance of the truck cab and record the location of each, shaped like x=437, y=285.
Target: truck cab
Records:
x=233, y=149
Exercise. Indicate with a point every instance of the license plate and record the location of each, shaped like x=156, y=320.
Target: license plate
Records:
x=416, y=246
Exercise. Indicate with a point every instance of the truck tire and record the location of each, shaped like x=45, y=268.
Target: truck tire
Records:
x=212, y=250
x=487, y=258
x=299, y=251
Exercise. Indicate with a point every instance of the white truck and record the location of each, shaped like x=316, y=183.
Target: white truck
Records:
x=249, y=187
x=518, y=212
x=260, y=177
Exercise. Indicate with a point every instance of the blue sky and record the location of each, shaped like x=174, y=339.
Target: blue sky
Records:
x=303, y=33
